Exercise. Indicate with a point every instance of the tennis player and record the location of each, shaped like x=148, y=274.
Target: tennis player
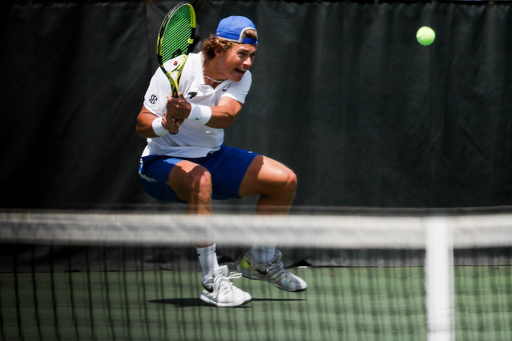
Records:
x=186, y=160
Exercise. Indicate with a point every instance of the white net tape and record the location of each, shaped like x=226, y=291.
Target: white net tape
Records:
x=344, y=231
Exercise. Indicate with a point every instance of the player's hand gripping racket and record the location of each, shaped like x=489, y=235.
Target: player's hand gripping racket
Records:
x=174, y=42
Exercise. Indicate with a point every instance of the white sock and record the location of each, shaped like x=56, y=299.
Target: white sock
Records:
x=208, y=259
x=263, y=254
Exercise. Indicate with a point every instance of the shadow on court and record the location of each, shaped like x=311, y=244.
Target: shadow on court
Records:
x=196, y=302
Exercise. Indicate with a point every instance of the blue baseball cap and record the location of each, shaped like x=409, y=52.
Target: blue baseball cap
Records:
x=233, y=28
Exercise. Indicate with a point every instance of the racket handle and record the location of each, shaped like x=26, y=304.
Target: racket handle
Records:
x=175, y=132
x=175, y=96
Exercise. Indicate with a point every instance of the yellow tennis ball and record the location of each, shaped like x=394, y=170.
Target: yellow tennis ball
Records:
x=425, y=36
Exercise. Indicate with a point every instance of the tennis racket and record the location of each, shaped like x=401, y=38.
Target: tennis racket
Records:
x=174, y=42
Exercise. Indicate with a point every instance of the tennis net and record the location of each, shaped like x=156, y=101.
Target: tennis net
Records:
x=135, y=276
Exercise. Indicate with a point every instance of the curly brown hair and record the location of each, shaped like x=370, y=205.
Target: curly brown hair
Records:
x=213, y=43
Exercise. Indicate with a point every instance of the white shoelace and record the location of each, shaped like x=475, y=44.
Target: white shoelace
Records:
x=219, y=279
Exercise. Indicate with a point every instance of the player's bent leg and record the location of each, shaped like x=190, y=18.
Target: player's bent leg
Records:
x=192, y=183
x=274, y=182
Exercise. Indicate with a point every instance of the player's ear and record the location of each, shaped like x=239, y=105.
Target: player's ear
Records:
x=219, y=52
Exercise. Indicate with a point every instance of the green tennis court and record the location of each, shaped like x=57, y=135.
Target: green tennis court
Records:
x=340, y=304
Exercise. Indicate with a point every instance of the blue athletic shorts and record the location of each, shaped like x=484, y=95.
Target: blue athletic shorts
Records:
x=227, y=167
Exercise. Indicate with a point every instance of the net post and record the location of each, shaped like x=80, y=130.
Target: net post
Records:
x=439, y=279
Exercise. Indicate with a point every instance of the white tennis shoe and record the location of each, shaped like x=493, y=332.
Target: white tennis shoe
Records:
x=219, y=291
x=273, y=273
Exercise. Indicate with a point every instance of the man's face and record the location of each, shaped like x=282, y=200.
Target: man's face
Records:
x=237, y=60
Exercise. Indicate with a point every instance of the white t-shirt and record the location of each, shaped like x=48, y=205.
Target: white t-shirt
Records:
x=193, y=139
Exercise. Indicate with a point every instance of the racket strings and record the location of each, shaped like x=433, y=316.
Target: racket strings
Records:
x=177, y=34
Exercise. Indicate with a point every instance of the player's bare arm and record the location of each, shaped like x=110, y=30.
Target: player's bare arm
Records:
x=224, y=113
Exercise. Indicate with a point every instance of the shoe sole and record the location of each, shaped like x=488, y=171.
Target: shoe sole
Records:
x=222, y=305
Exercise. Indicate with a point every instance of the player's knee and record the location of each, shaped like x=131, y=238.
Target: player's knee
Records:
x=288, y=181
x=292, y=180
x=199, y=185
x=201, y=181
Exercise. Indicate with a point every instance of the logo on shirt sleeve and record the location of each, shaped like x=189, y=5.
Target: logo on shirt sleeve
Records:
x=153, y=99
